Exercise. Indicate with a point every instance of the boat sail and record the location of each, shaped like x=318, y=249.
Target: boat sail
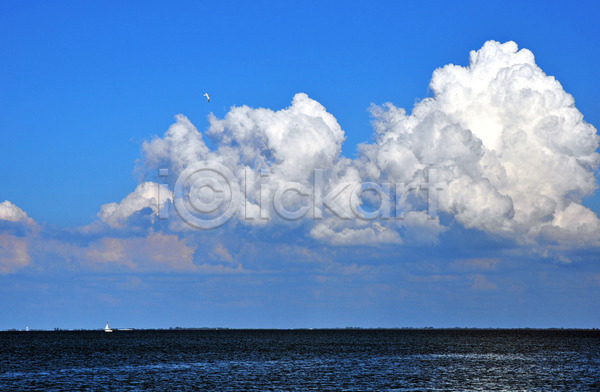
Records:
x=107, y=328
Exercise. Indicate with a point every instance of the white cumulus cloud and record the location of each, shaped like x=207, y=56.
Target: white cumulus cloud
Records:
x=511, y=151
x=12, y=213
x=146, y=195
x=500, y=143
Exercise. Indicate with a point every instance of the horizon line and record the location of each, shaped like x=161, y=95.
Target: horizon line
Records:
x=129, y=329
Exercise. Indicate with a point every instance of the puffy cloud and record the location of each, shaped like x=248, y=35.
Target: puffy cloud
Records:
x=575, y=225
x=292, y=142
x=500, y=146
x=281, y=160
x=146, y=195
x=180, y=146
x=289, y=144
x=12, y=213
x=511, y=151
x=369, y=235
x=17, y=231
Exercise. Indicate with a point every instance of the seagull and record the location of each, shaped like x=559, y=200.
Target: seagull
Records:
x=207, y=97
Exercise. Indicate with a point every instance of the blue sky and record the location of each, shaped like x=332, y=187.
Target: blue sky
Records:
x=88, y=91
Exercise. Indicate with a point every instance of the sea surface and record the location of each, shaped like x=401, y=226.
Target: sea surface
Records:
x=301, y=360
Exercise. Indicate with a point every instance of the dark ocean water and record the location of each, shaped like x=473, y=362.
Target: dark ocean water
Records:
x=301, y=360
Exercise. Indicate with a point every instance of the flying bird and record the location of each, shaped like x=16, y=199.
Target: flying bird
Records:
x=207, y=97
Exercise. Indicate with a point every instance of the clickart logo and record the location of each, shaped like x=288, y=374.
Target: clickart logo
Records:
x=207, y=194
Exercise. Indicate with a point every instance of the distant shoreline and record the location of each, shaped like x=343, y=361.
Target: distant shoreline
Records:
x=416, y=329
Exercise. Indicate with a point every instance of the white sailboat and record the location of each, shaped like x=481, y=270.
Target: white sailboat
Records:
x=107, y=328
